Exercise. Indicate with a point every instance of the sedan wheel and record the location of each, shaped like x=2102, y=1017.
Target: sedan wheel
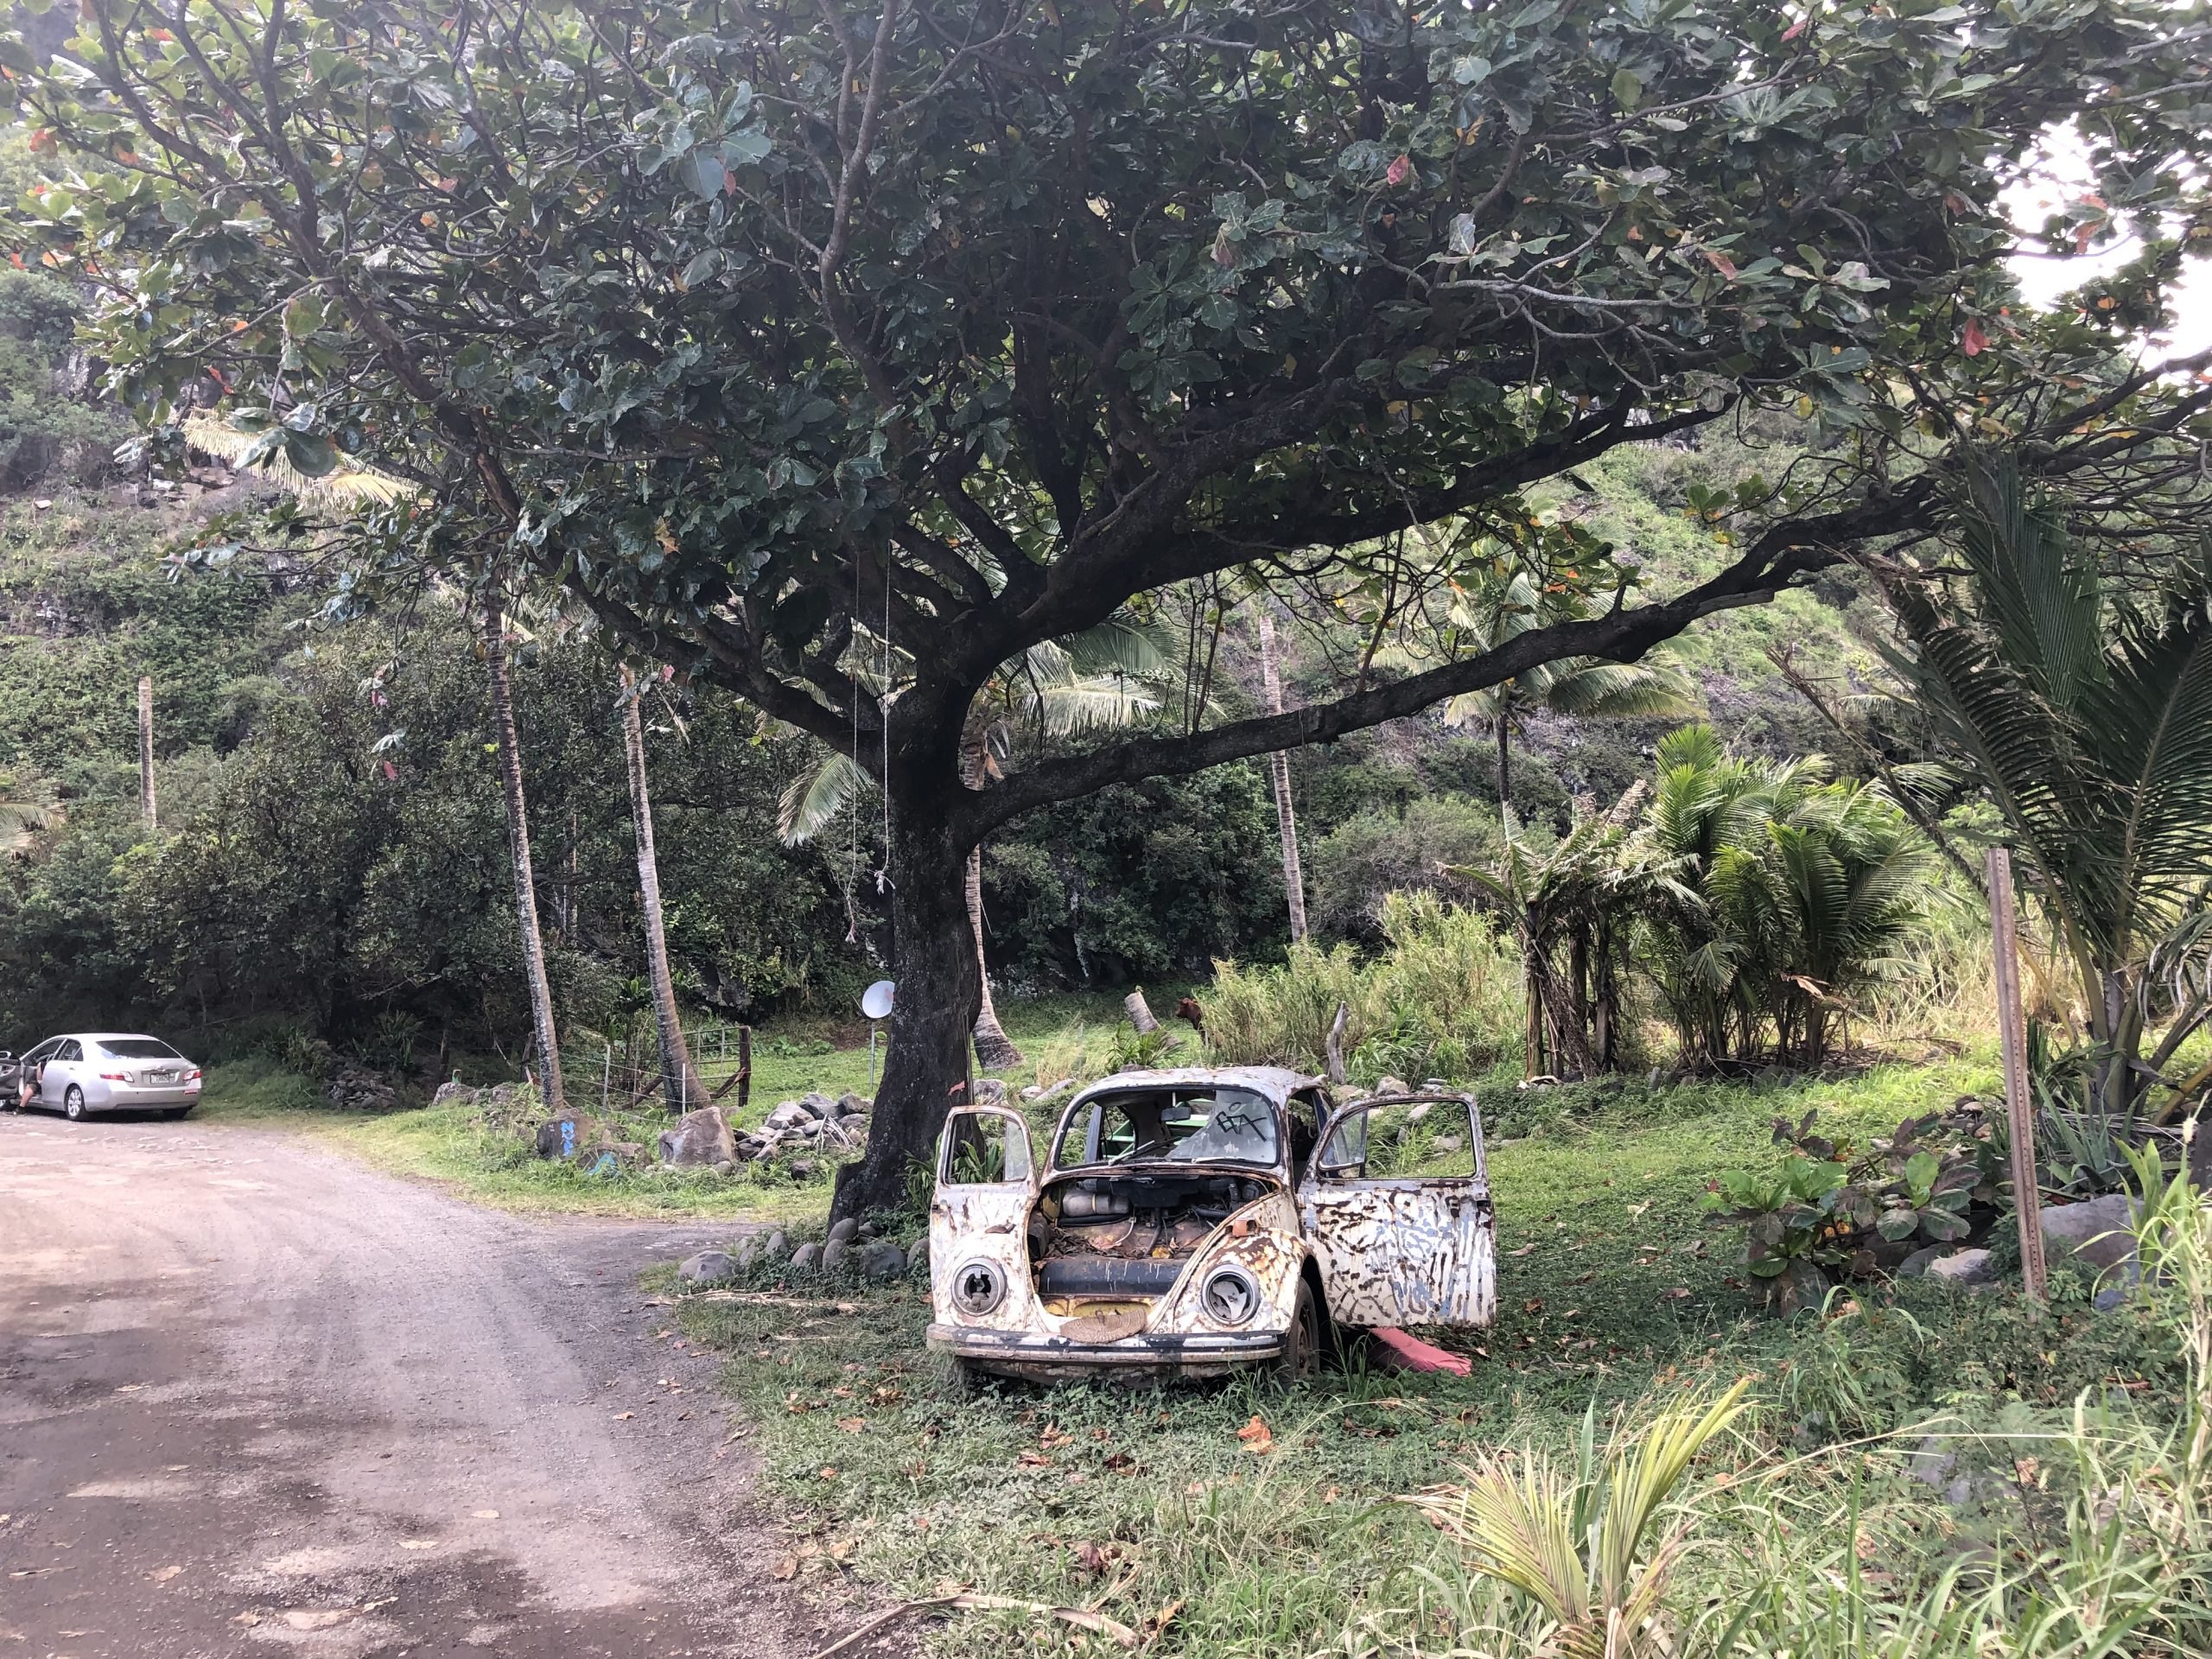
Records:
x=72, y=1103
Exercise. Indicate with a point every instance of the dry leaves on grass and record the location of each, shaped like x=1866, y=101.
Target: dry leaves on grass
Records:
x=1258, y=1438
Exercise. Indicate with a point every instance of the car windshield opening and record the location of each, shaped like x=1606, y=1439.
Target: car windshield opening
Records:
x=137, y=1048
x=1197, y=1125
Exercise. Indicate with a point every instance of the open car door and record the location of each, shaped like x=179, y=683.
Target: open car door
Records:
x=986, y=1182
x=1396, y=1206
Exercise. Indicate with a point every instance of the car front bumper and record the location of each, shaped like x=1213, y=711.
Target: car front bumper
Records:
x=1052, y=1359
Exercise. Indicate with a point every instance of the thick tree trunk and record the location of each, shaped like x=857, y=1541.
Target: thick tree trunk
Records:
x=1293, y=877
x=940, y=989
x=679, y=1078
x=995, y=1050
x=533, y=946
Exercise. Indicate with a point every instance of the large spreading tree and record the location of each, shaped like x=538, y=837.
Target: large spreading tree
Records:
x=841, y=352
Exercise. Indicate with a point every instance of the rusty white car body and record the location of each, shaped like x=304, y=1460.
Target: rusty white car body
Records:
x=1193, y=1221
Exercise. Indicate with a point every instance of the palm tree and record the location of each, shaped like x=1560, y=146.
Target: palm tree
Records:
x=494, y=642
x=1095, y=680
x=680, y=1081
x=1587, y=687
x=27, y=805
x=2084, y=712
x=1803, y=887
x=1293, y=877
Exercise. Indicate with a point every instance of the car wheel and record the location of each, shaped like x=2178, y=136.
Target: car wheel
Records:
x=176, y=1112
x=1301, y=1343
x=72, y=1104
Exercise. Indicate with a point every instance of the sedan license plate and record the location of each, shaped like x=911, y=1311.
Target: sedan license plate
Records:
x=160, y=1076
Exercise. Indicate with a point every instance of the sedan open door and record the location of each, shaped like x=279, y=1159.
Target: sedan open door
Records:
x=1396, y=1206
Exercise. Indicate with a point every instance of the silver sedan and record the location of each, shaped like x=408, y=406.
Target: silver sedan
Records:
x=89, y=1071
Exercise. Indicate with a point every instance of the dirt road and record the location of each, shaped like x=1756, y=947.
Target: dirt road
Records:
x=254, y=1399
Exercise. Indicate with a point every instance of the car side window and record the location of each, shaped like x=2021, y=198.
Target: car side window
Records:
x=43, y=1051
x=1305, y=1112
x=983, y=1149
x=69, y=1051
x=1420, y=1141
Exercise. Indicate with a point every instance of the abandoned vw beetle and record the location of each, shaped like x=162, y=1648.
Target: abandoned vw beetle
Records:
x=1191, y=1222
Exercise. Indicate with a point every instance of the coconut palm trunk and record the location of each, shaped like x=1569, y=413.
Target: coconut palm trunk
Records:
x=995, y=1050
x=1293, y=877
x=1504, y=755
x=533, y=943
x=679, y=1078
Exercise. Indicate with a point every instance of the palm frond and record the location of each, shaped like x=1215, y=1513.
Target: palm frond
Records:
x=810, y=800
x=343, y=486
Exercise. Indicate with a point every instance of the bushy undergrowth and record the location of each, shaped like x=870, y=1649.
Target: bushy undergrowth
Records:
x=1442, y=998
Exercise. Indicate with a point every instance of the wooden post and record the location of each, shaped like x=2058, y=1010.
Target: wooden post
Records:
x=744, y=1065
x=2013, y=1036
x=146, y=750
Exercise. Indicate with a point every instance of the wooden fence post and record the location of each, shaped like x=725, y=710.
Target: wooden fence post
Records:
x=2012, y=1037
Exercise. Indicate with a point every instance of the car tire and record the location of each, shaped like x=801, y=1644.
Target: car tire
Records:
x=175, y=1112
x=1302, y=1342
x=72, y=1104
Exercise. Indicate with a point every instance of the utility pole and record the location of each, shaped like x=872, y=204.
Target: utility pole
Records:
x=146, y=751
x=1293, y=877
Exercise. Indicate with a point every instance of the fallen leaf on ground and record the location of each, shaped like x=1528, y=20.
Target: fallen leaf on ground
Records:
x=487, y=1514
x=852, y=1425
x=162, y=1575
x=624, y=1416
x=1523, y=1250
x=418, y=1543
x=1257, y=1436
x=1034, y=1460
x=316, y=1619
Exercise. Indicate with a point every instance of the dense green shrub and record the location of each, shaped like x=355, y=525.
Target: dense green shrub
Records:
x=1442, y=999
x=1423, y=847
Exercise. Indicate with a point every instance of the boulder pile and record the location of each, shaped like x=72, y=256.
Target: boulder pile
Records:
x=813, y=1121
x=357, y=1089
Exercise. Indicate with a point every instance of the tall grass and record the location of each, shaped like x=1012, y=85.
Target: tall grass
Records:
x=1442, y=999
x=2100, y=1546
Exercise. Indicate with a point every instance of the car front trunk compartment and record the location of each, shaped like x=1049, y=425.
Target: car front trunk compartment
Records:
x=1110, y=1242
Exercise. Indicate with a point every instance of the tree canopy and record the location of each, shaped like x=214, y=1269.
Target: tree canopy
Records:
x=781, y=332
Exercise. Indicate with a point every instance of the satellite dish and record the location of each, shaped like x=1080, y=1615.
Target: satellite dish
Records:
x=875, y=1002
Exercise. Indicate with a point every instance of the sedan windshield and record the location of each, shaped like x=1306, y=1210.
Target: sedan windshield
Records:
x=137, y=1048
x=1183, y=1126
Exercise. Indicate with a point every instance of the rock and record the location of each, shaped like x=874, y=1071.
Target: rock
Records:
x=853, y=1105
x=1037, y=1091
x=882, y=1262
x=752, y=1148
x=727, y=1166
x=1449, y=1142
x=844, y=1231
x=788, y=1117
x=775, y=1246
x=707, y=1267
x=834, y=1254
x=565, y=1137
x=453, y=1092
x=990, y=1091
x=805, y=1257
x=819, y=1103
x=919, y=1255
x=702, y=1137
x=1916, y=1264
x=747, y=1250
x=1962, y=1267
x=1391, y=1086
x=1415, y=1113
x=2075, y=1230
x=801, y=1169
x=357, y=1089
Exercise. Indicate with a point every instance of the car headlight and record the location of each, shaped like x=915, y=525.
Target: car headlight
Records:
x=1230, y=1296
x=978, y=1288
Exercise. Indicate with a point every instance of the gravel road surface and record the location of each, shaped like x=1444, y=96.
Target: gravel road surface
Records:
x=255, y=1399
